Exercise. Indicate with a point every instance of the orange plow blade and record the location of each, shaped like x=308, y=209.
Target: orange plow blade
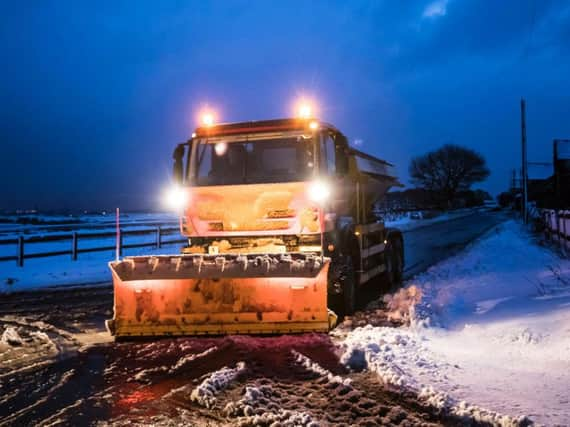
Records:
x=220, y=294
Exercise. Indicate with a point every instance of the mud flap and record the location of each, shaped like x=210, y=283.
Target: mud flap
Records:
x=220, y=294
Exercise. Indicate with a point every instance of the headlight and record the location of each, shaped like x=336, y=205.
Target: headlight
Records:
x=176, y=198
x=319, y=191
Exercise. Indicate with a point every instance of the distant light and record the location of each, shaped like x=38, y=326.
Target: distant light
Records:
x=314, y=125
x=207, y=119
x=193, y=134
x=220, y=148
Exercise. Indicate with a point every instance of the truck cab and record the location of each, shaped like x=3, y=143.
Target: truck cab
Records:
x=286, y=186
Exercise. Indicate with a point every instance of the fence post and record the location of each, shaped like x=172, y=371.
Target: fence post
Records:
x=550, y=231
x=564, y=237
x=120, y=242
x=74, y=246
x=558, y=229
x=20, y=251
x=158, y=237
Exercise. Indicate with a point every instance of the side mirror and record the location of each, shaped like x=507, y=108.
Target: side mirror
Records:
x=178, y=169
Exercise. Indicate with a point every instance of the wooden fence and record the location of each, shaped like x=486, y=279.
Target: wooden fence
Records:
x=22, y=242
x=557, y=227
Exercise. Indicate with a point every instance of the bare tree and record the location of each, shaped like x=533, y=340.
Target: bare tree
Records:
x=448, y=170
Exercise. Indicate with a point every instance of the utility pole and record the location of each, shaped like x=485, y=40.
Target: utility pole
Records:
x=524, y=163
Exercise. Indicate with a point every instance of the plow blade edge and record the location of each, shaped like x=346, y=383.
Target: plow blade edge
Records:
x=220, y=294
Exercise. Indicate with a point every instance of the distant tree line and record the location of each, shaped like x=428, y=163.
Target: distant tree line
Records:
x=417, y=198
x=443, y=180
x=444, y=176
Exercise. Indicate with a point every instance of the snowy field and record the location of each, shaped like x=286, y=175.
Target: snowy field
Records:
x=90, y=268
x=489, y=328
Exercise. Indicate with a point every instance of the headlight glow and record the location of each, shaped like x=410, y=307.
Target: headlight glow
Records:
x=304, y=111
x=319, y=191
x=304, y=108
x=207, y=118
x=176, y=198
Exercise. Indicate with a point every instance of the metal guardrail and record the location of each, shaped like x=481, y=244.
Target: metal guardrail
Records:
x=557, y=228
x=22, y=242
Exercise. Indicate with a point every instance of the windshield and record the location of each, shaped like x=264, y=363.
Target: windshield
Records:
x=220, y=162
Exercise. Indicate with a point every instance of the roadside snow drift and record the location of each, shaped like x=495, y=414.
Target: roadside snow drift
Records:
x=492, y=328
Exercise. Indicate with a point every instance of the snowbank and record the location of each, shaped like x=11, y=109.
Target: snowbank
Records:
x=491, y=328
x=400, y=359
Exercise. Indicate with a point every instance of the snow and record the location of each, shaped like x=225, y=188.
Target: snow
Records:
x=256, y=409
x=11, y=337
x=313, y=366
x=205, y=393
x=492, y=331
x=90, y=268
x=183, y=361
x=25, y=344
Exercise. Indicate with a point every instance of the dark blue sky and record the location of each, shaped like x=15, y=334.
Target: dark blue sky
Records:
x=95, y=95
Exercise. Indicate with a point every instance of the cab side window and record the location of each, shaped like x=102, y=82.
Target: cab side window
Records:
x=341, y=154
x=327, y=154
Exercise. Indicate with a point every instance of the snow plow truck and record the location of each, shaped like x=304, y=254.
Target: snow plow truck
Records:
x=281, y=235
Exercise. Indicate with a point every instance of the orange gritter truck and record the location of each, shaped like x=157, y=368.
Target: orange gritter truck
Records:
x=281, y=235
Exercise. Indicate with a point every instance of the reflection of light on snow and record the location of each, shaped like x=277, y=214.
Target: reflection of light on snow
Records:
x=221, y=148
x=436, y=9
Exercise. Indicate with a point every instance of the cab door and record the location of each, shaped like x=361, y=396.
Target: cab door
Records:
x=334, y=166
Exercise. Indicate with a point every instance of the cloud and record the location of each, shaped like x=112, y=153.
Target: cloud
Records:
x=436, y=9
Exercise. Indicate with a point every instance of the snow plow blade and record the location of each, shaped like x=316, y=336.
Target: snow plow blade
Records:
x=220, y=294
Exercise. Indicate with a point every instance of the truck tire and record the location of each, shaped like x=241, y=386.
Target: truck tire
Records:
x=341, y=286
